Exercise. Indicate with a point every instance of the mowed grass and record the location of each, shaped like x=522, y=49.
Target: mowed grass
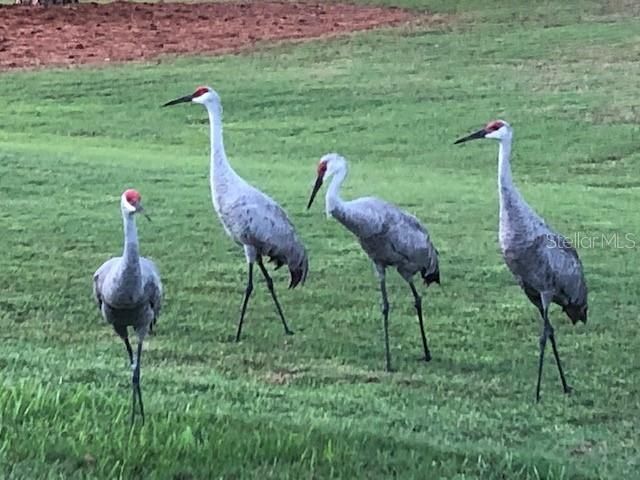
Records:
x=319, y=404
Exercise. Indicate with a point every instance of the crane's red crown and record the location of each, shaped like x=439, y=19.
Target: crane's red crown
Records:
x=322, y=168
x=493, y=126
x=132, y=196
x=200, y=91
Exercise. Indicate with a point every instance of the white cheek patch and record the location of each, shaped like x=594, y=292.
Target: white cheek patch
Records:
x=130, y=208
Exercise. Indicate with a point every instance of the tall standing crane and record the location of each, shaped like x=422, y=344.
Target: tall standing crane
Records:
x=251, y=218
x=128, y=291
x=388, y=235
x=543, y=262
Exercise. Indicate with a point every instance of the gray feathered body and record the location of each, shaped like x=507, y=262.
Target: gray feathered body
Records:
x=128, y=292
x=390, y=237
x=542, y=261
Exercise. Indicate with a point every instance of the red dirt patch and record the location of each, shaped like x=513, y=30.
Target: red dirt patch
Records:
x=121, y=31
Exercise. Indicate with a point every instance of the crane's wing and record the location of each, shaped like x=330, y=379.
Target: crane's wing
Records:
x=549, y=263
x=407, y=244
x=411, y=238
x=99, y=277
x=390, y=236
x=152, y=286
x=383, y=222
x=365, y=217
x=564, y=264
x=259, y=221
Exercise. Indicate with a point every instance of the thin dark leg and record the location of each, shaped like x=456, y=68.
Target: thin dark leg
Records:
x=245, y=301
x=122, y=333
x=135, y=383
x=129, y=349
x=273, y=295
x=543, y=344
x=385, y=322
x=548, y=333
x=552, y=337
x=418, y=305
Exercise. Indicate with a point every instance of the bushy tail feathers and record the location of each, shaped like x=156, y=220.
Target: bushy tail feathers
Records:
x=297, y=269
x=577, y=313
x=299, y=272
x=430, y=277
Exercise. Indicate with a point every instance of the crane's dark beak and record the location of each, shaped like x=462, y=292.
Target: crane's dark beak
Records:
x=141, y=210
x=316, y=187
x=186, y=98
x=474, y=136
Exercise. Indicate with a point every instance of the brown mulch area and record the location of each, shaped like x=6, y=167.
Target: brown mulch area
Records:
x=122, y=31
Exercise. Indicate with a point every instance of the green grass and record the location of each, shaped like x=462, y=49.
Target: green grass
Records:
x=319, y=405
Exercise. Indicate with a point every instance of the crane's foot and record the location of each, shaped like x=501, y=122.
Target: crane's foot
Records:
x=568, y=390
x=288, y=332
x=425, y=358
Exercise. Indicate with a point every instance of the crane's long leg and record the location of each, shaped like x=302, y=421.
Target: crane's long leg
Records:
x=418, y=305
x=135, y=383
x=548, y=333
x=122, y=333
x=245, y=301
x=267, y=278
x=565, y=387
x=385, y=315
x=543, y=344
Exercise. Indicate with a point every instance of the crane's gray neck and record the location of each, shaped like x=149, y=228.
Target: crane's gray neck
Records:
x=219, y=164
x=517, y=219
x=332, y=198
x=130, y=255
x=508, y=194
x=504, y=165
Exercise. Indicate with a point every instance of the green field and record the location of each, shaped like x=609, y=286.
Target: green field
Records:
x=319, y=404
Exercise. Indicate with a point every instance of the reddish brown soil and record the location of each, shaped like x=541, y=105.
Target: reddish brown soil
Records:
x=121, y=31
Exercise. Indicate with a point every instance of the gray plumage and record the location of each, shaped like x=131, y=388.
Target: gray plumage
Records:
x=251, y=218
x=128, y=291
x=543, y=262
x=124, y=291
x=388, y=235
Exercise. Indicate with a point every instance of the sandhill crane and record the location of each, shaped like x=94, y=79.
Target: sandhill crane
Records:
x=251, y=218
x=388, y=235
x=128, y=291
x=543, y=262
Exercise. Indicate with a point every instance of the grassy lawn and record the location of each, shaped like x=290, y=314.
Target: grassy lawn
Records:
x=318, y=404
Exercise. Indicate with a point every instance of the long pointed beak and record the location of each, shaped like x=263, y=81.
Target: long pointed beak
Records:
x=140, y=209
x=186, y=98
x=316, y=187
x=474, y=136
